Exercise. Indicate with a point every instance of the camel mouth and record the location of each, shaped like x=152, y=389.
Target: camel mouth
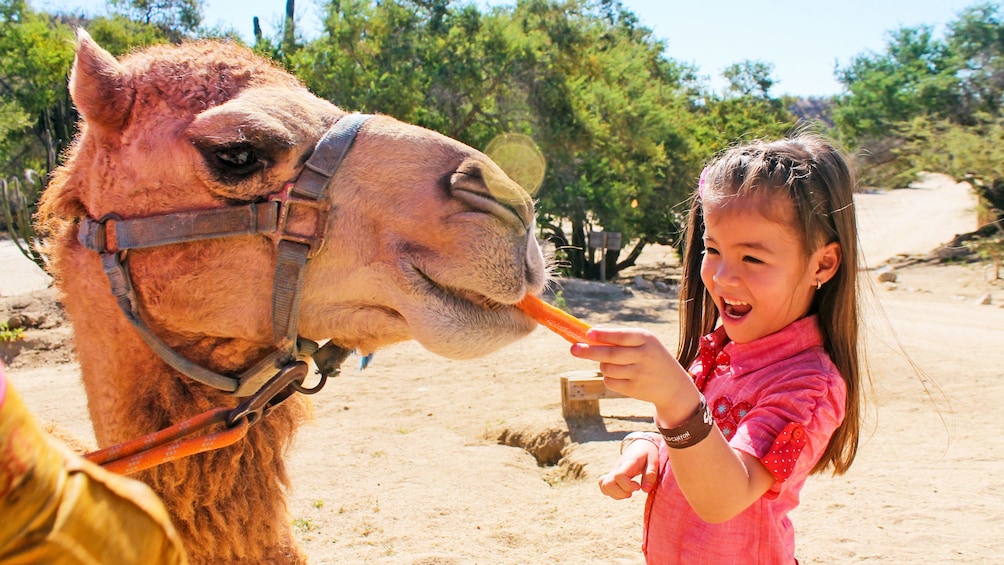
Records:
x=459, y=323
x=458, y=296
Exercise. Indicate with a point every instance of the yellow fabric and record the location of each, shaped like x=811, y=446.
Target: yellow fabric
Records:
x=57, y=508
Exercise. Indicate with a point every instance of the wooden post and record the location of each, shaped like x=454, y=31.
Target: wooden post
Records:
x=581, y=392
x=598, y=240
x=604, y=241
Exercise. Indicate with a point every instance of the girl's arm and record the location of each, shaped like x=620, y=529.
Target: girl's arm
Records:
x=718, y=481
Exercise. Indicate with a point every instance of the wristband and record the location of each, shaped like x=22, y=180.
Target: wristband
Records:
x=693, y=430
x=631, y=437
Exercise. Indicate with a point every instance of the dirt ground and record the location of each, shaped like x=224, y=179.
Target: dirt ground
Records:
x=422, y=460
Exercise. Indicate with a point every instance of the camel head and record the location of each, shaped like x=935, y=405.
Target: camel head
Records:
x=426, y=238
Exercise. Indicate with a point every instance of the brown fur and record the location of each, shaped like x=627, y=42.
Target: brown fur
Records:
x=403, y=215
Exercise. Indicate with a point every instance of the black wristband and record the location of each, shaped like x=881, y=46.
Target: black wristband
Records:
x=693, y=430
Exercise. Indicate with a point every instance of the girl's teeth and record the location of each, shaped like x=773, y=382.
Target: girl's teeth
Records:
x=737, y=309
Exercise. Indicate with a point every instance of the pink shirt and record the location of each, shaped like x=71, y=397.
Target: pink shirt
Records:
x=778, y=398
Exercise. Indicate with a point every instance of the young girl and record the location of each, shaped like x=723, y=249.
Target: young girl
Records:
x=772, y=392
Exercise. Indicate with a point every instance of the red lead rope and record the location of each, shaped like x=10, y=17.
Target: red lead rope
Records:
x=170, y=443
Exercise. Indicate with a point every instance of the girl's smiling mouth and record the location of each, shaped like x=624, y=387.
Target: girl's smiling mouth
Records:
x=735, y=309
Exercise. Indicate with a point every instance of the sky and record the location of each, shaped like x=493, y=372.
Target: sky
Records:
x=804, y=40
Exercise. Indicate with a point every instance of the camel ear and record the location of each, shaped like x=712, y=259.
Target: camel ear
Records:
x=98, y=85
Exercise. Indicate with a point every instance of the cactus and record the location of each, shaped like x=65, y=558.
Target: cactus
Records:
x=18, y=202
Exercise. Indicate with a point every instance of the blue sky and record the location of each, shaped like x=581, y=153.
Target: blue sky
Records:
x=804, y=39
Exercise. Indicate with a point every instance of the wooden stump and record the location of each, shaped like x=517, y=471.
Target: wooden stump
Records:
x=581, y=392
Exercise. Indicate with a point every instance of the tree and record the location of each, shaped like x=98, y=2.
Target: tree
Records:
x=624, y=130
x=976, y=44
x=119, y=34
x=915, y=76
x=175, y=18
x=37, y=118
x=613, y=118
x=972, y=152
x=749, y=78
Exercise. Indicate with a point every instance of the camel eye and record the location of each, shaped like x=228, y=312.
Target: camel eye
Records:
x=237, y=160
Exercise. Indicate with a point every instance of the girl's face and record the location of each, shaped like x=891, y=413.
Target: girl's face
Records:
x=756, y=270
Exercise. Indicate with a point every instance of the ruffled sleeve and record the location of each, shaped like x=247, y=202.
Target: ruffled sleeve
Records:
x=783, y=454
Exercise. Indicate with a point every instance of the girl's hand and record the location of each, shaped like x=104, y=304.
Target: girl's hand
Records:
x=635, y=363
x=639, y=458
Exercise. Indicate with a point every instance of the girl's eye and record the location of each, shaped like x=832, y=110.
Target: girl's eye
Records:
x=710, y=251
x=753, y=260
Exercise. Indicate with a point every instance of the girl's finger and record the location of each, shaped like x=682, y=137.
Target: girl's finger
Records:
x=612, y=354
x=625, y=483
x=650, y=476
x=612, y=381
x=624, y=337
x=610, y=486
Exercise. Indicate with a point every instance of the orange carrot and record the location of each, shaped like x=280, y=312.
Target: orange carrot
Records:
x=554, y=319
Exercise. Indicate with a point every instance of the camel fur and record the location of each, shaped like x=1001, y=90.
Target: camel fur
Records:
x=428, y=240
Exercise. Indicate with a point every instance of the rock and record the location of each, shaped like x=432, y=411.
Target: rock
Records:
x=641, y=283
x=15, y=322
x=986, y=299
x=887, y=275
x=26, y=320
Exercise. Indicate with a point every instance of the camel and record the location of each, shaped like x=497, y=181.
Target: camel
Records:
x=418, y=237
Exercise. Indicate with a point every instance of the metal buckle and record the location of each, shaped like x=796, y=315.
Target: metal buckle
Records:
x=271, y=394
x=93, y=234
x=287, y=200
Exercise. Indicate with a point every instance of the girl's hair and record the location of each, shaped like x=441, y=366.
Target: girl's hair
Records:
x=813, y=175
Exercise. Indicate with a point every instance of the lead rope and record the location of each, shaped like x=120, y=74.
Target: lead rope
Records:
x=181, y=440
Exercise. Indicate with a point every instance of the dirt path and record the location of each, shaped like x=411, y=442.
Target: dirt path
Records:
x=913, y=220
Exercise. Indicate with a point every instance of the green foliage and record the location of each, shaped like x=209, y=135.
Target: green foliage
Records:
x=37, y=118
x=749, y=78
x=613, y=117
x=957, y=78
x=559, y=300
x=119, y=34
x=304, y=524
x=915, y=76
x=174, y=18
x=976, y=45
x=8, y=334
x=973, y=152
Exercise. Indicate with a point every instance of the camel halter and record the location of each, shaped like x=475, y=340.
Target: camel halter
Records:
x=302, y=203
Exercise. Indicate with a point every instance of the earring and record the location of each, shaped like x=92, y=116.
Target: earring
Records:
x=819, y=284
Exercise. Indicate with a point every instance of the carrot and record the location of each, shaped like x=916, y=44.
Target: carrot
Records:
x=554, y=319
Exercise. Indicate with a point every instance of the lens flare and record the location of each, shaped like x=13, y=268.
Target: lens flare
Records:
x=520, y=158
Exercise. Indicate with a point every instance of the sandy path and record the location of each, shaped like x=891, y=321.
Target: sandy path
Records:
x=913, y=220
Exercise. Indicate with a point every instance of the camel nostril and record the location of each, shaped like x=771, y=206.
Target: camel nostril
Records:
x=492, y=193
